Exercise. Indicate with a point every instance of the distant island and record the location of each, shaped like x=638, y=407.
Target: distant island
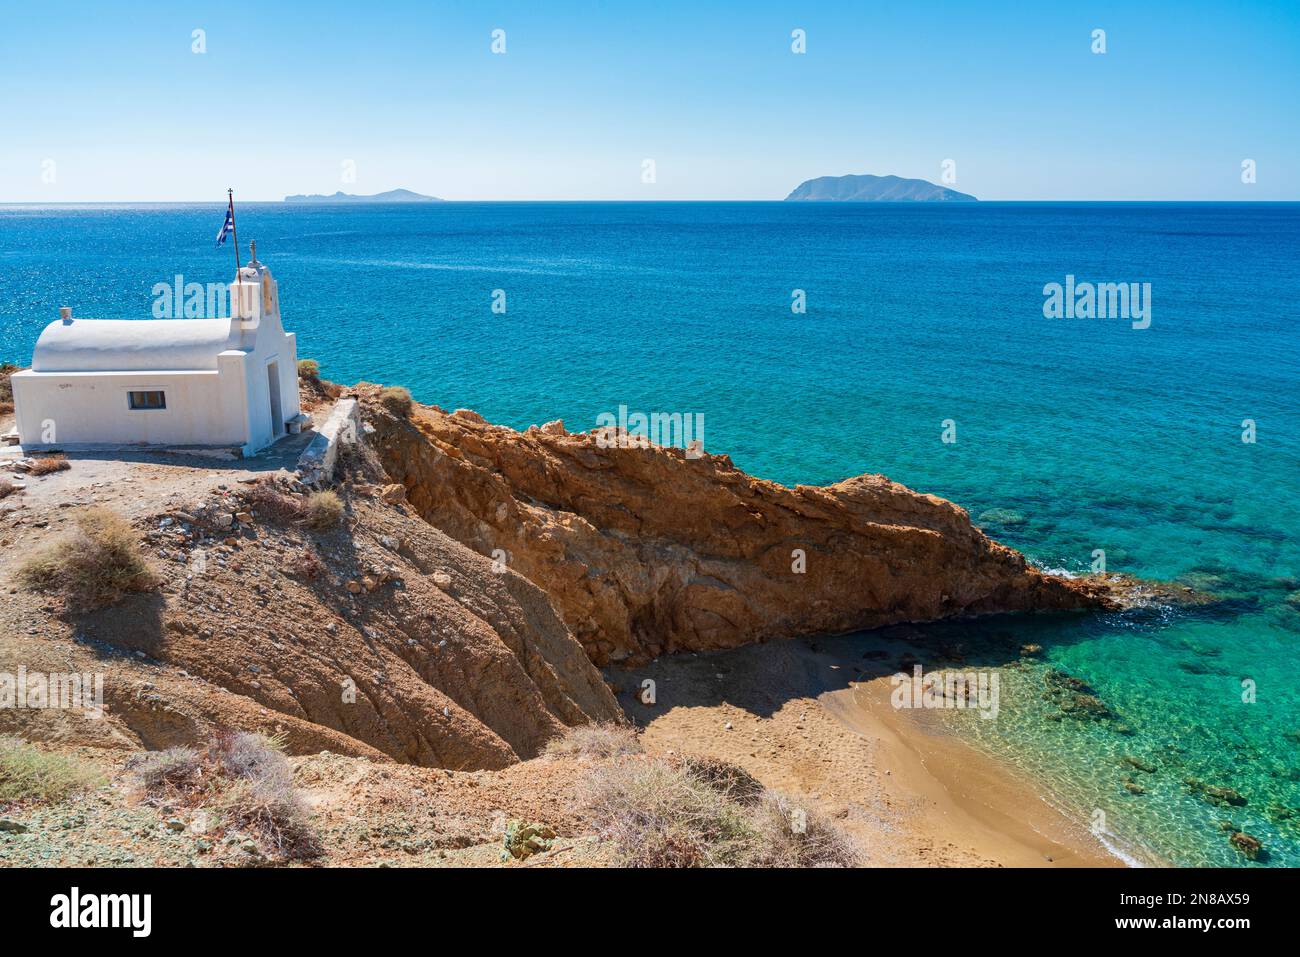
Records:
x=392, y=196
x=875, y=189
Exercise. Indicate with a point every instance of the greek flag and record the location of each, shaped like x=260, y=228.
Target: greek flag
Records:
x=229, y=225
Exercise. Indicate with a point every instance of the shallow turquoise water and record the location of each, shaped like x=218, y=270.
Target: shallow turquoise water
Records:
x=1083, y=434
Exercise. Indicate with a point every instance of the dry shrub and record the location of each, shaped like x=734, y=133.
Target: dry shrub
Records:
x=246, y=778
x=309, y=369
x=793, y=836
x=170, y=774
x=48, y=465
x=700, y=812
x=28, y=774
x=396, y=400
x=658, y=815
x=262, y=798
x=7, y=488
x=240, y=754
x=266, y=498
x=322, y=511
x=306, y=565
x=733, y=781
x=7, y=369
x=605, y=740
x=95, y=566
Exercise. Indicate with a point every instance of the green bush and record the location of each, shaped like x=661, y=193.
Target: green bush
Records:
x=308, y=369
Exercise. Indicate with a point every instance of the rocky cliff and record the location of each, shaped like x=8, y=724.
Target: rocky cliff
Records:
x=644, y=551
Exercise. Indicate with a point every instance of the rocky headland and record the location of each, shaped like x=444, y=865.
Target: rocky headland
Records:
x=455, y=617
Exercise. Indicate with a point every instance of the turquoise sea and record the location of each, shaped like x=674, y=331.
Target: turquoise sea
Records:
x=1072, y=434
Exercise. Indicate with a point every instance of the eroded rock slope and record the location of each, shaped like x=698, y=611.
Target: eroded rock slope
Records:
x=645, y=551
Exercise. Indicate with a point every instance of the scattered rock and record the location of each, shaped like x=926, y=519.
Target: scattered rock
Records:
x=524, y=840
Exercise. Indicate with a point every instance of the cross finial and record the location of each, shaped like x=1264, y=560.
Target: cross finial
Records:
x=252, y=250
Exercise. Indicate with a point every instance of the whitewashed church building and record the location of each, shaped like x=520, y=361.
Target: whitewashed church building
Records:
x=215, y=383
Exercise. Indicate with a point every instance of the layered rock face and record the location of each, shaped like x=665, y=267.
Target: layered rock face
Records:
x=645, y=551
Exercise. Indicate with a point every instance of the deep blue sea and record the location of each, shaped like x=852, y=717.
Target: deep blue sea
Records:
x=1071, y=434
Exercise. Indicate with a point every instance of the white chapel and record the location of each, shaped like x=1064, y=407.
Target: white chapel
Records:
x=215, y=383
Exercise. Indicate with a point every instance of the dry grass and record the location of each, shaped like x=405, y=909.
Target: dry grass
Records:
x=49, y=465
x=794, y=836
x=705, y=813
x=594, y=741
x=244, y=777
x=28, y=774
x=322, y=511
x=7, y=488
x=658, y=815
x=96, y=565
x=396, y=400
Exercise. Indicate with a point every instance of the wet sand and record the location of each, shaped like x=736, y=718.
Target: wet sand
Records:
x=969, y=797
x=804, y=717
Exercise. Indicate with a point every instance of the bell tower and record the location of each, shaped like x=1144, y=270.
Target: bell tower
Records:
x=254, y=294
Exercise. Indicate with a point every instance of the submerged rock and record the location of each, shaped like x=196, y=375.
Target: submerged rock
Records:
x=1214, y=794
x=1136, y=762
x=1247, y=844
x=1001, y=516
x=1074, y=697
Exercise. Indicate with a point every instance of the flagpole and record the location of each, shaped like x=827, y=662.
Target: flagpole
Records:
x=234, y=233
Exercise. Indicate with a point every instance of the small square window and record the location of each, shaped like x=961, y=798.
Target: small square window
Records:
x=148, y=400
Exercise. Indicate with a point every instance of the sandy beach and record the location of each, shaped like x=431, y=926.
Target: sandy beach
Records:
x=802, y=716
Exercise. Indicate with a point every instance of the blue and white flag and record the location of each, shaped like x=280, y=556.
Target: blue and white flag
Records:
x=228, y=226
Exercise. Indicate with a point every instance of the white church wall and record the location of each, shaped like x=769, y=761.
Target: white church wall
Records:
x=93, y=408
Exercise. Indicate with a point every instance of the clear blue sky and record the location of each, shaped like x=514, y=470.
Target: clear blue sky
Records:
x=412, y=94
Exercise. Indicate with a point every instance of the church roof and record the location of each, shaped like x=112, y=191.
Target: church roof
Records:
x=111, y=345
